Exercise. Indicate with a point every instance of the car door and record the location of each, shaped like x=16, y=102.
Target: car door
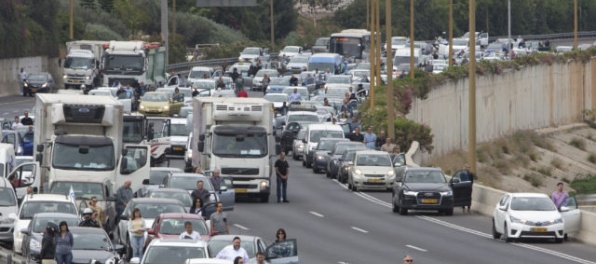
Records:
x=227, y=197
x=134, y=165
x=571, y=215
x=462, y=190
x=10, y=137
x=501, y=212
x=282, y=252
x=28, y=176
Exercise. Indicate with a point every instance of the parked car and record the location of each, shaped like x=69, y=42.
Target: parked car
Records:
x=338, y=150
x=172, y=193
x=534, y=215
x=155, y=180
x=371, y=169
x=252, y=244
x=323, y=151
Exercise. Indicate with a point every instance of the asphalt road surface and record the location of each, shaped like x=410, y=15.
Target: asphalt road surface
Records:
x=334, y=225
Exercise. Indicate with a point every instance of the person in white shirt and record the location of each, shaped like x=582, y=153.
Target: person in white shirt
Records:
x=22, y=77
x=189, y=233
x=232, y=251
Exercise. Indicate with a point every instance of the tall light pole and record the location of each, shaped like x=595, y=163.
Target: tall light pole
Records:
x=508, y=28
x=373, y=52
x=574, y=24
x=450, y=33
x=71, y=20
x=272, y=35
x=472, y=99
x=368, y=14
x=389, y=64
x=378, y=36
x=412, y=39
x=164, y=28
x=174, y=20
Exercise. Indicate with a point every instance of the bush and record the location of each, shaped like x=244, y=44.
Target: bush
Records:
x=407, y=131
x=592, y=158
x=533, y=179
x=585, y=184
x=578, y=143
x=100, y=32
x=557, y=163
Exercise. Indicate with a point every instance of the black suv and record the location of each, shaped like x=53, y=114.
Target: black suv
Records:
x=421, y=188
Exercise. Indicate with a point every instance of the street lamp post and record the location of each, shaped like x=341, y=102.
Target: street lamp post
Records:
x=472, y=95
x=450, y=33
x=412, y=39
x=574, y=24
x=509, y=28
x=272, y=31
x=389, y=64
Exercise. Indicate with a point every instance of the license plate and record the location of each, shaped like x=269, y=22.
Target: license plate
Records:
x=430, y=201
x=81, y=82
x=538, y=229
x=375, y=180
x=240, y=190
x=177, y=148
x=34, y=90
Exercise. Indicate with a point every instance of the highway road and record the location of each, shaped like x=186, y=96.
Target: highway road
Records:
x=334, y=225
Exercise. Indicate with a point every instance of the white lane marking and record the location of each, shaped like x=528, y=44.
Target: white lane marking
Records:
x=359, y=229
x=340, y=184
x=316, y=214
x=5, y=114
x=341, y=262
x=417, y=248
x=478, y=233
x=241, y=227
x=15, y=111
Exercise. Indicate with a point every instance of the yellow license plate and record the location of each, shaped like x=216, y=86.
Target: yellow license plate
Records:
x=34, y=90
x=177, y=148
x=430, y=201
x=538, y=229
x=375, y=180
x=240, y=190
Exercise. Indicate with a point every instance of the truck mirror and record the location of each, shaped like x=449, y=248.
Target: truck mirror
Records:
x=146, y=182
x=124, y=151
x=201, y=146
x=277, y=149
x=277, y=139
x=39, y=147
x=39, y=157
x=123, y=166
x=202, y=137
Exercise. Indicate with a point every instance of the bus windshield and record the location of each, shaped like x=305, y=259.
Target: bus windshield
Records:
x=348, y=47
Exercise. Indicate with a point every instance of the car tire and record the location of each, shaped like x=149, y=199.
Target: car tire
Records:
x=315, y=170
x=449, y=211
x=496, y=235
x=506, y=234
x=265, y=198
x=308, y=164
x=294, y=156
x=559, y=240
x=403, y=211
x=327, y=174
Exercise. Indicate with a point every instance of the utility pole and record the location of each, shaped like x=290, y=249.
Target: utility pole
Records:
x=272, y=29
x=508, y=28
x=71, y=20
x=378, y=36
x=174, y=20
x=373, y=52
x=450, y=33
x=412, y=67
x=574, y=24
x=164, y=28
x=472, y=74
x=368, y=14
x=389, y=64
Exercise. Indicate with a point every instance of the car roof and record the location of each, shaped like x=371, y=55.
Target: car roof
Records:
x=372, y=152
x=423, y=169
x=47, y=197
x=301, y=112
x=349, y=143
x=231, y=237
x=189, y=175
x=55, y=215
x=280, y=94
x=85, y=229
x=156, y=200
x=168, y=190
x=165, y=169
x=180, y=215
x=177, y=242
x=324, y=127
x=529, y=195
x=178, y=121
x=208, y=261
x=335, y=139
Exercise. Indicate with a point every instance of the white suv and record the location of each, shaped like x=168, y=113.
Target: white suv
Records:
x=39, y=203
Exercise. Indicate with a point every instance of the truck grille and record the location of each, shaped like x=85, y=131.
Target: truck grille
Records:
x=240, y=171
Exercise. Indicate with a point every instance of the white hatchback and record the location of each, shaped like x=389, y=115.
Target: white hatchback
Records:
x=534, y=215
x=371, y=169
x=173, y=251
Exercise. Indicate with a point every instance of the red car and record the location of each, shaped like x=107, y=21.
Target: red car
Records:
x=171, y=225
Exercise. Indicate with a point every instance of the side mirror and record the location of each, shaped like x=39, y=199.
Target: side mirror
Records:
x=564, y=209
x=202, y=137
x=146, y=182
x=223, y=189
x=135, y=260
x=201, y=146
x=304, y=140
x=119, y=248
x=277, y=139
x=123, y=166
x=24, y=231
x=12, y=216
x=124, y=151
x=35, y=190
x=502, y=208
x=150, y=231
x=124, y=217
x=39, y=147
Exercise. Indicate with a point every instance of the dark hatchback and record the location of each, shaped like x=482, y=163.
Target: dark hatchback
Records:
x=38, y=83
x=92, y=243
x=323, y=151
x=421, y=189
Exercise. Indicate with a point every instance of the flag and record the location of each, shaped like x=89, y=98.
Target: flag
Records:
x=71, y=193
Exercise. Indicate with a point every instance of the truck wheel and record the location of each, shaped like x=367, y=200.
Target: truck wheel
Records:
x=265, y=198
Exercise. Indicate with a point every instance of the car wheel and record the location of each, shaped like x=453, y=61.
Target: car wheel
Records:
x=403, y=211
x=496, y=235
x=449, y=211
x=308, y=164
x=315, y=170
x=506, y=234
x=264, y=198
x=294, y=156
x=327, y=174
x=559, y=240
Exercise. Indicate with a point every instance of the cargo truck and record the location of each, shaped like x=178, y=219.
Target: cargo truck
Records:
x=127, y=62
x=82, y=65
x=236, y=136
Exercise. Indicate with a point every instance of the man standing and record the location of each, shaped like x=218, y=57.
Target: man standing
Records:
x=281, y=170
x=232, y=251
x=560, y=196
x=235, y=75
x=216, y=180
x=293, y=81
x=467, y=177
x=388, y=146
x=123, y=196
x=356, y=136
x=295, y=96
x=89, y=218
x=370, y=139
x=219, y=221
x=261, y=258
x=200, y=193
x=22, y=77
x=195, y=92
x=26, y=121
x=189, y=233
x=380, y=140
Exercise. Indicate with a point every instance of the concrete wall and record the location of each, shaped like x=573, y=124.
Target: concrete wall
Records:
x=10, y=68
x=531, y=98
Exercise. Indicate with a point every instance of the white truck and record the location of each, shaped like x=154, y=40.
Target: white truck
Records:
x=82, y=65
x=125, y=62
x=236, y=136
x=81, y=136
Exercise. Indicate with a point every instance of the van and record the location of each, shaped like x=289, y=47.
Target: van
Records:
x=199, y=72
x=8, y=205
x=26, y=173
x=324, y=61
x=402, y=56
x=313, y=134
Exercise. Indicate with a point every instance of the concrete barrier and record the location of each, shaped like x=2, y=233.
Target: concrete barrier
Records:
x=10, y=68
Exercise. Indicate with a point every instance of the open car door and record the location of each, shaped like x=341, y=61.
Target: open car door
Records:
x=462, y=188
x=571, y=216
x=28, y=175
x=158, y=137
x=135, y=164
x=227, y=194
x=284, y=252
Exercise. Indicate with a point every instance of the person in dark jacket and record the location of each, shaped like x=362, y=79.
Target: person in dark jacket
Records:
x=88, y=218
x=48, y=247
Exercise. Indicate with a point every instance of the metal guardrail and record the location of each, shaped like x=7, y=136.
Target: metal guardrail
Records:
x=7, y=257
x=586, y=199
x=183, y=66
x=583, y=34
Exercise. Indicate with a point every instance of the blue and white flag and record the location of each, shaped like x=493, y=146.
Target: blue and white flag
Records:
x=71, y=193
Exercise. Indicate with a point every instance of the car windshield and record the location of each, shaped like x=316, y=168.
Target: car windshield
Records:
x=78, y=63
x=172, y=254
x=153, y=210
x=29, y=209
x=91, y=241
x=175, y=226
x=240, y=144
x=303, y=92
x=374, y=160
x=322, y=42
x=155, y=97
x=279, y=81
x=183, y=197
x=190, y=183
x=348, y=156
x=460, y=42
x=316, y=135
x=299, y=60
x=252, y=51
x=336, y=92
x=179, y=130
x=327, y=145
x=340, y=149
x=532, y=204
x=156, y=177
x=425, y=177
x=291, y=49
x=7, y=197
x=215, y=246
x=269, y=73
x=398, y=41
x=303, y=118
x=495, y=45
x=360, y=74
x=82, y=190
x=37, y=78
x=339, y=79
x=39, y=224
x=205, y=84
x=276, y=98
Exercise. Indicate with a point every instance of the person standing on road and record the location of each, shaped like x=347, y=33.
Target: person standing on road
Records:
x=388, y=146
x=88, y=218
x=356, y=136
x=467, y=177
x=282, y=170
x=235, y=75
x=280, y=235
x=560, y=196
x=370, y=139
x=216, y=180
x=295, y=96
x=123, y=196
x=408, y=259
x=63, y=242
x=137, y=227
x=197, y=207
x=22, y=78
x=219, y=221
x=380, y=140
x=201, y=192
x=26, y=121
x=231, y=252
x=189, y=233
x=15, y=123
x=48, y=246
x=265, y=82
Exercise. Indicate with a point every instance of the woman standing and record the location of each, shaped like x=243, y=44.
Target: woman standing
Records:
x=280, y=235
x=48, y=248
x=137, y=227
x=197, y=208
x=63, y=242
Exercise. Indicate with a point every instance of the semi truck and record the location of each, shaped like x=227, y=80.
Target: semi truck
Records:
x=82, y=65
x=236, y=136
x=127, y=62
x=81, y=137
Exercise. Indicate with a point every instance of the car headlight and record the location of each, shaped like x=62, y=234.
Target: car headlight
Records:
x=447, y=193
x=557, y=221
x=268, y=87
x=7, y=221
x=412, y=193
x=167, y=107
x=34, y=245
x=517, y=220
x=357, y=172
x=141, y=107
x=347, y=168
x=264, y=184
x=44, y=85
x=64, y=76
x=320, y=157
x=390, y=173
x=86, y=77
